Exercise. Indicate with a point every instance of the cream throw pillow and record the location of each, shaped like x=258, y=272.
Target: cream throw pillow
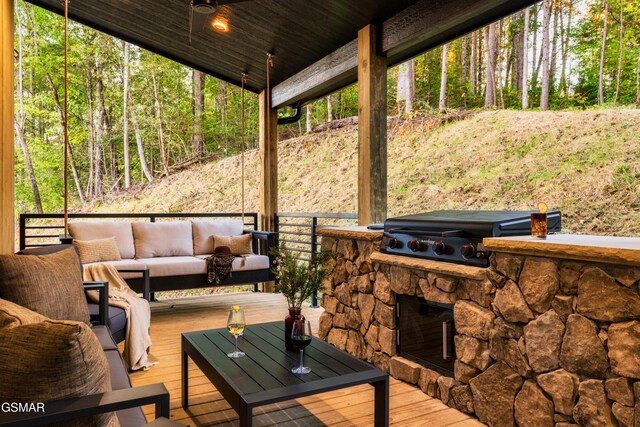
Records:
x=239, y=245
x=98, y=250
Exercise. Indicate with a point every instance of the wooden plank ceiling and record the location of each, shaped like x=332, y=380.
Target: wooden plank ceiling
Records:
x=297, y=32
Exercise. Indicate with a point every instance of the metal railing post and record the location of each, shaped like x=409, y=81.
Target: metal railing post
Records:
x=314, y=251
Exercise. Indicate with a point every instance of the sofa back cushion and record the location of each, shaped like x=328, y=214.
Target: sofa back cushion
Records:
x=12, y=315
x=98, y=250
x=53, y=360
x=104, y=229
x=50, y=285
x=203, y=230
x=160, y=239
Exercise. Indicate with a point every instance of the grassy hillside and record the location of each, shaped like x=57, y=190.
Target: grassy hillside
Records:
x=585, y=163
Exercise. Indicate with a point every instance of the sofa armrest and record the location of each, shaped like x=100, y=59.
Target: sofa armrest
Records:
x=103, y=298
x=75, y=407
x=263, y=236
x=146, y=290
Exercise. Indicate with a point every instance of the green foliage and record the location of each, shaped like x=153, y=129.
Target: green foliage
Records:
x=297, y=280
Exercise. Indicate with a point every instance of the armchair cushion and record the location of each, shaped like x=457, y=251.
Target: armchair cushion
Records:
x=50, y=285
x=162, y=239
x=98, y=250
x=53, y=360
x=203, y=230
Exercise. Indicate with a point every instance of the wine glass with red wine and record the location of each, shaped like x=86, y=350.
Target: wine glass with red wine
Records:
x=301, y=337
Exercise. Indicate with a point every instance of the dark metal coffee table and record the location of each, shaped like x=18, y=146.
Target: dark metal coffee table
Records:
x=264, y=375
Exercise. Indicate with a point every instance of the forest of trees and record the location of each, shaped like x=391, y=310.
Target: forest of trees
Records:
x=135, y=116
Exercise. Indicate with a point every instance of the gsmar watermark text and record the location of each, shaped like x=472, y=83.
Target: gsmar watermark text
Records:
x=22, y=407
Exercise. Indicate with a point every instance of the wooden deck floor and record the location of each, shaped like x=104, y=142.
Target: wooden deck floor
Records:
x=347, y=407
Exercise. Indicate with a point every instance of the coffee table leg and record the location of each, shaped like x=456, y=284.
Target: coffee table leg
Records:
x=381, y=414
x=246, y=415
x=185, y=377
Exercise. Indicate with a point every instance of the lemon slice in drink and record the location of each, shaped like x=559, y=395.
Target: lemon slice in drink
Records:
x=542, y=207
x=236, y=308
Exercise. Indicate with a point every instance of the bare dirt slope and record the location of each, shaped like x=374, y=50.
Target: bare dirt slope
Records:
x=585, y=163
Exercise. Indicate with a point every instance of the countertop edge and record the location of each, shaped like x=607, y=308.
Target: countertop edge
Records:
x=459, y=270
x=356, y=233
x=580, y=250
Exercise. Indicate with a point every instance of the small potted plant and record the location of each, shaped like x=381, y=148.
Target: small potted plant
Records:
x=297, y=280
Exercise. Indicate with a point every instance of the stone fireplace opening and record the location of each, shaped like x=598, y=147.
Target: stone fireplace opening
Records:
x=425, y=333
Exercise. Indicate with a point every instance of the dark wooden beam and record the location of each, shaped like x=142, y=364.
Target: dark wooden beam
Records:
x=372, y=130
x=419, y=28
x=7, y=178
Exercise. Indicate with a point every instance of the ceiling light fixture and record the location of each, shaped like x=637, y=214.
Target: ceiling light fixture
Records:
x=220, y=25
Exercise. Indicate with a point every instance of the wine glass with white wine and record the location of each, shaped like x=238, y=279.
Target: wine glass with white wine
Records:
x=235, y=325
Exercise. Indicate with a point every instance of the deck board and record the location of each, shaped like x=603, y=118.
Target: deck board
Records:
x=346, y=407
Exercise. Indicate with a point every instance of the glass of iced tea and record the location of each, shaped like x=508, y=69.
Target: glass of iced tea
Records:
x=539, y=222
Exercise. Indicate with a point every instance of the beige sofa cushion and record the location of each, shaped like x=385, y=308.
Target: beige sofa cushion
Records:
x=52, y=360
x=103, y=229
x=247, y=262
x=50, y=285
x=174, y=266
x=12, y=315
x=162, y=239
x=98, y=250
x=203, y=230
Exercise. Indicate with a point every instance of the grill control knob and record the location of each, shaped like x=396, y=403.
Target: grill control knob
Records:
x=439, y=248
x=414, y=245
x=468, y=251
x=393, y=243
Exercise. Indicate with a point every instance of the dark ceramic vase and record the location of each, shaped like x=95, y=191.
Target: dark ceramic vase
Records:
x=294, y=314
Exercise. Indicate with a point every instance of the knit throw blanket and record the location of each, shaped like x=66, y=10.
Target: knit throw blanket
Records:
x=137, y=340
x=219, y=267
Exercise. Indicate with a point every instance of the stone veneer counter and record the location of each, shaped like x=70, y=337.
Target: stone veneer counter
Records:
x=547, y=335
x=609, y=249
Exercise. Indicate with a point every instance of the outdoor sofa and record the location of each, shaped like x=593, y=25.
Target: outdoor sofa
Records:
x=175, y=252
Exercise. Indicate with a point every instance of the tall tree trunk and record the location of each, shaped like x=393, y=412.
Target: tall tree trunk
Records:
x=490, y=42
x=91, y=134
x=136, y=128
x=534, y=50
x=518, y=53
x=603, y=48
x=442, y=102
x=406, y=87
x=72, y=163
x=544, y=90
x=565, y=49
x=309, y=116
x=197, y=135
x=620, y=40
x=223, y=105
x=554, y=47
x=473, y=74
x=20, y=119
x=163, y=151
x=499, y=56
x=329, y=109
x=125, y=116
x=638, y=79
x=525, y=62
x=100, y=130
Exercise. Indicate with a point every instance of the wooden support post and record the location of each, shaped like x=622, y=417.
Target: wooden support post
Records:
x=268, y=163
x=269, y=167
x=372, y=130
x=7, y=179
